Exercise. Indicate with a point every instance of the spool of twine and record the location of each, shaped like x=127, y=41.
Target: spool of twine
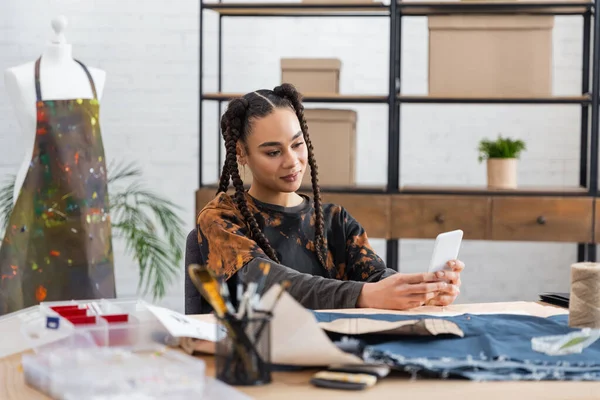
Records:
x=584, y=302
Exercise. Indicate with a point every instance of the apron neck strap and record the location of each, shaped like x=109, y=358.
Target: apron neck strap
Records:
x=38, y=89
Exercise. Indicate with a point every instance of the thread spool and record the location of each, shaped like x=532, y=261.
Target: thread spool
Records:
x=584, y=302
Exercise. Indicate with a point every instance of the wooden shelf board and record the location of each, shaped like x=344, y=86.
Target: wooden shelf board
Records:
x=570, y=7
x=371, y=98
x=495, y=100
x=441, y=190
x=358, y=189
x=368, y=8
x=466, y=190
x=299, y=9
x=312, y=97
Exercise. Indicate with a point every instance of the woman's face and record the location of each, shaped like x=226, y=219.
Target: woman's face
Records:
x=276, y=152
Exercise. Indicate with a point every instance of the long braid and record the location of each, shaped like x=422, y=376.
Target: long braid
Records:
x=290, y=93
x=224, y=180
x=235, y=117
x=225, y=174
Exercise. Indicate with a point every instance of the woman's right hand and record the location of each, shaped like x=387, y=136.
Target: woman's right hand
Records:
x=404, y=291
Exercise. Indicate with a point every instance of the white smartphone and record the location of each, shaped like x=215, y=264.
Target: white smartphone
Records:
x=446, y=248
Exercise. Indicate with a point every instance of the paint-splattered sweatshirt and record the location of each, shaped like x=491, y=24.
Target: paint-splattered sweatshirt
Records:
x=227, y=248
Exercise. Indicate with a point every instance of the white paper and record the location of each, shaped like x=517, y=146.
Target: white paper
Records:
x=180, y=325
x=296, y=338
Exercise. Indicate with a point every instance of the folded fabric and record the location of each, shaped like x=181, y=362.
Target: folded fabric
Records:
x=421, y=327
x=494, y=347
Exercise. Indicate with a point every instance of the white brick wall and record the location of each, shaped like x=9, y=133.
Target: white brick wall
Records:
x=149, y=114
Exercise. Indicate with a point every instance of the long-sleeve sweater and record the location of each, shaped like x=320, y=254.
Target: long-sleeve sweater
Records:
x=227, y=248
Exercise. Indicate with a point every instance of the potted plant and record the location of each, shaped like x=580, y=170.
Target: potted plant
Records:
x=501, y=156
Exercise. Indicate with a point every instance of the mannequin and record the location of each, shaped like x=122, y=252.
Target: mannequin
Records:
x=58, y=243
x=61, y=78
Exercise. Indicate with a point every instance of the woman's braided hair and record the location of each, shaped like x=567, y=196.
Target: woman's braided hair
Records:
x=235, y=126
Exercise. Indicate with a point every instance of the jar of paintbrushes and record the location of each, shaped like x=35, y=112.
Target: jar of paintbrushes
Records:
x=243, y=346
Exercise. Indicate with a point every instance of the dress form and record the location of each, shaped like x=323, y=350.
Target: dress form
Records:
x=61, y=78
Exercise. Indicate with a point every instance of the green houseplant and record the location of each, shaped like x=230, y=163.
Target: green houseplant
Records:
x=147, y=223
x=501, y=156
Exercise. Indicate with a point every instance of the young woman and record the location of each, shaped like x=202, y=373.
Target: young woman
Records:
x=319, y=248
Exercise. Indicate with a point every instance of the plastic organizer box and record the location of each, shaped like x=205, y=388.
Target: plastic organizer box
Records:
x=109, y=322
x=94, y=372
x=108, y=349
x=112, y=373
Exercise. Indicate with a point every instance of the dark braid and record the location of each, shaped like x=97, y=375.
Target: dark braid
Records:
x=234, y=122
x=235, y=126
x=289, y=92
x=225, y=174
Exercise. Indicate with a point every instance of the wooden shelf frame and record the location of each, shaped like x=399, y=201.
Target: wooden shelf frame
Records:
x=396, y=11
x=577, y=100
x=407, y=8
x=298, y=9
x=383, y=99
x=523, y=191
x=450, y=190
x=314, y=97
x=545, y=7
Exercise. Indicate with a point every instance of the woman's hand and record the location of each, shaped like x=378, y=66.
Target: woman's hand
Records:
x=404, y=291
x=447, y=297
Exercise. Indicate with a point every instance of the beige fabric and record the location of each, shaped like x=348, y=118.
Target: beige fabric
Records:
x=423, y=327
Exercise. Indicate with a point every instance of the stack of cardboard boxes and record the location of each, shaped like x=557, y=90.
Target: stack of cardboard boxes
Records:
x=332, y=131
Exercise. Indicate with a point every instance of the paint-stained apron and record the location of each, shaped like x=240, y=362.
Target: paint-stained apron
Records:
x=58, y=242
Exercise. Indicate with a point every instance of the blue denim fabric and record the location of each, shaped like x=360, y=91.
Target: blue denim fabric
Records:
x=494, y=347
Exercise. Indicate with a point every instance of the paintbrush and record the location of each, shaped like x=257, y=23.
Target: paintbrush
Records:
x=208, y=286
x=265, y=268
x=240, y=284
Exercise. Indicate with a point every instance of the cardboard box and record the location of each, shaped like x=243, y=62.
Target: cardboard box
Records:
x=312, y=75
x=490, y=56
x=333, y=135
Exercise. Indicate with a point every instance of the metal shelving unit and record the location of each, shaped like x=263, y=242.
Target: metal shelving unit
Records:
x=396, y=11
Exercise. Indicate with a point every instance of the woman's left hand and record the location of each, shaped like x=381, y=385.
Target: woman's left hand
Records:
x=450, y=294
